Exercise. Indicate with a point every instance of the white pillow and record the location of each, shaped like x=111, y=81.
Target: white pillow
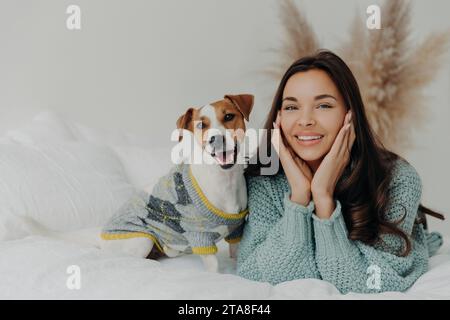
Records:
x=68, y=176
x=64, y=186
x=144, y=166
x=110, y=136
x=46, y=126
x=100, y=136
x=51, y=126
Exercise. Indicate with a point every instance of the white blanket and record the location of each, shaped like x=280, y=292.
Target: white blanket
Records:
x=37, y=268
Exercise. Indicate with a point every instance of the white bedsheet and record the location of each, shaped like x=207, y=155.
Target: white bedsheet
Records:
x=36, y=268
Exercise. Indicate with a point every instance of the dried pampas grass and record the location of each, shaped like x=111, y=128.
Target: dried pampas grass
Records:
x=300, y=38
x=390, y=71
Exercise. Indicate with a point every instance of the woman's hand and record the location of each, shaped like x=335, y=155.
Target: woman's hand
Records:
x=297, y=171
x=331, y=168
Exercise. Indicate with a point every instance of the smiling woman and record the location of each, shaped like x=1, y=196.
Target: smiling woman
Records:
x=341, y=204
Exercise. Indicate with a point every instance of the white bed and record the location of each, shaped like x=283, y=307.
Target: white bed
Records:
x=54, y=172
x=36, y=268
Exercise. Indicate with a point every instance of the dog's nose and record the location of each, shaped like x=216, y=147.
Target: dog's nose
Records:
x=217, y=140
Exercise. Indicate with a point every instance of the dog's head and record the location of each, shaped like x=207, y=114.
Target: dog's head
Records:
x=219, y=127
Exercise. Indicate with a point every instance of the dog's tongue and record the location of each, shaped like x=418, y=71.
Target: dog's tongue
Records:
x=225, y=157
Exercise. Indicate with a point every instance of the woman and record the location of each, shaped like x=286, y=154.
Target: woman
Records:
x=341, y=208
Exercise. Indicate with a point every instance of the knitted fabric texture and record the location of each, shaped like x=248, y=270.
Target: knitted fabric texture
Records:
x=176, y=215
x=283, y=241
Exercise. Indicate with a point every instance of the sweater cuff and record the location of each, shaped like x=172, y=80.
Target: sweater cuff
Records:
x=234, y=240
x=332, y=235
x=297, y=208
x=204, y=250
x=297, y=220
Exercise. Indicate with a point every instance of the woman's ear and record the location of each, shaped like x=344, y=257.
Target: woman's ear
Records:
x=243, y=102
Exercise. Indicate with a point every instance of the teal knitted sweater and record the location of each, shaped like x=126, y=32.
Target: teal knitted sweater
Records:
x=283, y=241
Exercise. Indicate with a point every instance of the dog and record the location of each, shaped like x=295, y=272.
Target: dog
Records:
x=196, y=204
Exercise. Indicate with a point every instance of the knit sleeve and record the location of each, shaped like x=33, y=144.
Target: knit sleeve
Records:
x=357, y=267
x=235, y=235
x=202, y=242
x=277, y=242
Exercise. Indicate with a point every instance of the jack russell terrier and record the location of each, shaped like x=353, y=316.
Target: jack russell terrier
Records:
x=195, y=205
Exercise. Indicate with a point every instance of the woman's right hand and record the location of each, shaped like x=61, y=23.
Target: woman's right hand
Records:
x=297, y=172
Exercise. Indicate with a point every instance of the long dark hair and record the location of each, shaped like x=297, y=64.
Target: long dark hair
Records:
x=363, y=187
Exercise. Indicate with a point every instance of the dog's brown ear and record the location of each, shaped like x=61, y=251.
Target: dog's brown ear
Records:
x=184, y=120
x=244, y=103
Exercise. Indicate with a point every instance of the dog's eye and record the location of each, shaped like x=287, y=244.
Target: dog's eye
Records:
x=229, y=117
x=200, y=125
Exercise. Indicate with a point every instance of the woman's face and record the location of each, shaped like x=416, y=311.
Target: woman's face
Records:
x=312, y=113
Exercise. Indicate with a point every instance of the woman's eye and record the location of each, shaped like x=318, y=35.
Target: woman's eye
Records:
x=291, y=107
x=200, y=125
x=323, y=106
x=229, y=117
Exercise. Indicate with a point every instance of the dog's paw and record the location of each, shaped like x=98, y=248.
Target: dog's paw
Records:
x=211, y=263
x=171, y=253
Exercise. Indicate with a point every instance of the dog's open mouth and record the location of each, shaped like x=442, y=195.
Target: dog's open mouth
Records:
x=226, y=159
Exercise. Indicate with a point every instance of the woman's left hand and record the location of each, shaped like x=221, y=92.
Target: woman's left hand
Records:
x=331, y=169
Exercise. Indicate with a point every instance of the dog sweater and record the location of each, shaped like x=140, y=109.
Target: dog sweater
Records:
x=283, y=240
x=177, y=215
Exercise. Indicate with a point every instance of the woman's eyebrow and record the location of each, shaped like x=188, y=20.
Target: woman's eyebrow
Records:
x=323, y=96
x=290, y=99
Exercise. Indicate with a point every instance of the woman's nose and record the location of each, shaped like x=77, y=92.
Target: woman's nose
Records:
x=306, y=120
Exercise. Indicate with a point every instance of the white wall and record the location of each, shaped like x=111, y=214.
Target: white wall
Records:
x=137, y=65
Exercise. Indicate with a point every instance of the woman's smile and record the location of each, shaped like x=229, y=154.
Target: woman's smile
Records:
x=306, y=139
